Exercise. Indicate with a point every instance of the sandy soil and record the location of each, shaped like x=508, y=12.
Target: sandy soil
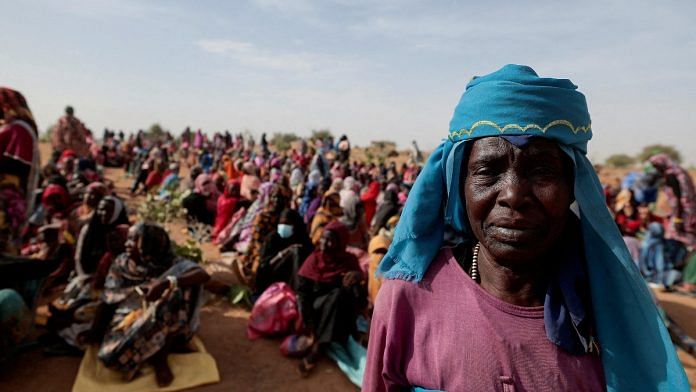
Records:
x=246, y=365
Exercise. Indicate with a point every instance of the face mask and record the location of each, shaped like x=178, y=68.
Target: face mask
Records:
x=284, y=231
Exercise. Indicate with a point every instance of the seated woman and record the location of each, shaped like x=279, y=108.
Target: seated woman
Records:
x=227, y=204
x=265, y=222
x=149, y=307
x=201, y=204
x=386, y=210
x=283, y=252
x=506, y=271
x=99, y=243
x=93, y=194
x=354, y=219
x=55, y=207
x=330, y=294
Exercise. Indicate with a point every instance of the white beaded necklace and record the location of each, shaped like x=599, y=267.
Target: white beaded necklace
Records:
x=473, y=270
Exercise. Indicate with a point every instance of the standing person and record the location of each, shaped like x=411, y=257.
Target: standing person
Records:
x=71, y=133
x=682, y=198
x=19, y=167
x=343, y=148
x=534, y=297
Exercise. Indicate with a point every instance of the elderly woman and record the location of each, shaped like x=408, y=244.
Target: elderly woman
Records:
x=149, y=306
x=506, y=271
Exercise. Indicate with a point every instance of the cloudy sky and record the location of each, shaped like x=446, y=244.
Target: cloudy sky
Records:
x=373, y=70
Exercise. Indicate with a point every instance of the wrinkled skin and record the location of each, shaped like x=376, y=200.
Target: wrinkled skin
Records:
x=517, y=200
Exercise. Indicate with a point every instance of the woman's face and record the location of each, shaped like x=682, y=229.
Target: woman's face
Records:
x=92, y=198
x=133, y=243
x=53, y=203
x=105, y=210
x=328, y=242
x=517, y=199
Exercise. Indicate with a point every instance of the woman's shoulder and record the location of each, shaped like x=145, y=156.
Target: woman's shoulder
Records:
x=441, y=270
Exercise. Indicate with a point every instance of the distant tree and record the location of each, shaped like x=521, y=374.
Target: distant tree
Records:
x=282, y=141
x=620, y=160
x=155, y=132
x=654, y=149
x=321, y=134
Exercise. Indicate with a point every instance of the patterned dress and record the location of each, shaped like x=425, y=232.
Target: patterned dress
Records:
x=140, y=329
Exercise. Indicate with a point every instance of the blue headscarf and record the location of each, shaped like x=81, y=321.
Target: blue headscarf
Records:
x=636, y=350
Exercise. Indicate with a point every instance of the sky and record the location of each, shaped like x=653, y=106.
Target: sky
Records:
x=387, y=70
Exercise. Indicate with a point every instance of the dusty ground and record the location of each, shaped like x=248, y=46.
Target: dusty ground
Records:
x=246, y=365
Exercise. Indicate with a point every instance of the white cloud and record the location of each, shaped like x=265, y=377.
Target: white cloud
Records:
x=248, y=54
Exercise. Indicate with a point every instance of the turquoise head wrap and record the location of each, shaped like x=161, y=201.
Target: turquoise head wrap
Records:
x=636, y=350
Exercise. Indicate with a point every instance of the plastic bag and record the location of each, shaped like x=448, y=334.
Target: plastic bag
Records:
x=274, y=313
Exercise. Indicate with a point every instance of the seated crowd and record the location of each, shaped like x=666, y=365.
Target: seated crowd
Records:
x=309, y=222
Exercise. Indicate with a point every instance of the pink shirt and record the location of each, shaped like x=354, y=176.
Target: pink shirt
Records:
x=447, y=333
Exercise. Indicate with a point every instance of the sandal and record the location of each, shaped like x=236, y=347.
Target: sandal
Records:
x=305, y=367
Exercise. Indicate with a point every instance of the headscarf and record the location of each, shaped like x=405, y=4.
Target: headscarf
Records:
x=327, y=267
x=91, y=242
x=60, y=193
x=369, y=198
x=98, y=187
x=514, y=101
x=296, y=177
x=336, y=186
x=350, y=216
x=205, y=185
x=227, y=204
x=388, y=208
x=14, y=107
x=349, y=189
x=275, y=243
x=156, y=255
x=15, y=110
x=314, y=177
x=249, y=183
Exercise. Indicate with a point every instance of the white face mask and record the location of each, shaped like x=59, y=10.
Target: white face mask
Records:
x=284, y=230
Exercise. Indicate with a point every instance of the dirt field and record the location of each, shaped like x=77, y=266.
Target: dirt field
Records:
x=246, y=365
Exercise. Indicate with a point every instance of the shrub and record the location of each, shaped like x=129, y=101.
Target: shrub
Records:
x=282, y=141
x=655, y=149
x=620, y=160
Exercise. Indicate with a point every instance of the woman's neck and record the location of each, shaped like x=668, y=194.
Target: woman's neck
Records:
x=521, y=288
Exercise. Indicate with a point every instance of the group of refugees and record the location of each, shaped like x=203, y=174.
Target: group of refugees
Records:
x=120, y=285
x=655, y=211
x=308, y=217
x=495, y=256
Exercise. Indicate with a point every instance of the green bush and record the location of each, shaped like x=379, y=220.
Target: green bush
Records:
x=620, y=160
x=655, y=149
x=321, y=134
x=282, y=141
